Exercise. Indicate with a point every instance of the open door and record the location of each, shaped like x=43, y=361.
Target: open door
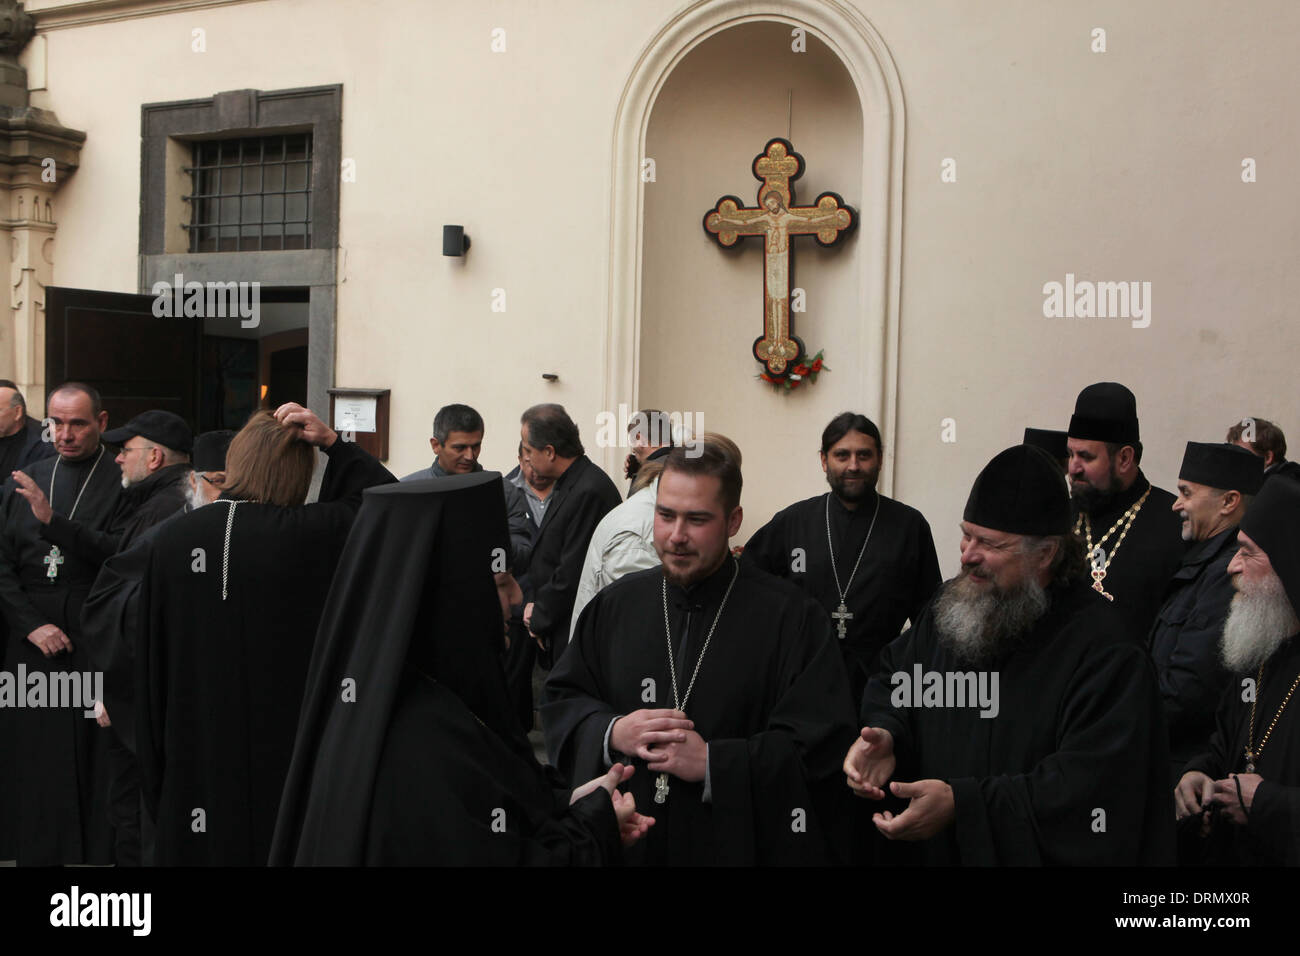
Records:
x=113, y=341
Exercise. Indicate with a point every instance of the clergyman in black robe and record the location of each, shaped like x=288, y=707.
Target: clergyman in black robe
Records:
x=1215, y=484
x=1018, y=718
x=885, y=563
x=407, y=750
x=230, y=603
x=1239, y=802
x=738, y=765
x=1135, y=558
x=57, y=776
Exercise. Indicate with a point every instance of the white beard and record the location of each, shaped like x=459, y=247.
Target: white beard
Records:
x=194, y=497
x=1259, y=622
x=979, y=625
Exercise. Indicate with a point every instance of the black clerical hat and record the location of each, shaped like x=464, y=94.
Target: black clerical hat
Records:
x=1020, y=492
x=210, y=450
x=1220, y=465
x=160, y=427
x=1273, y=522
x=1051, y=441
x=1107, y=412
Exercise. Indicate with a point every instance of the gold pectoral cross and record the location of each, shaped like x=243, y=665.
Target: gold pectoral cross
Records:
x=777, y=219
x=1250, y=761
x=1099, y=575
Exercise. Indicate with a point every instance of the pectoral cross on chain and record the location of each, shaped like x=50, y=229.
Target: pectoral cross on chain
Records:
x=53, y=560
x=841, y=615
x=777, y=219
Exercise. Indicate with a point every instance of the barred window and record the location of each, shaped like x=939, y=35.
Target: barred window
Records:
x=251, y=194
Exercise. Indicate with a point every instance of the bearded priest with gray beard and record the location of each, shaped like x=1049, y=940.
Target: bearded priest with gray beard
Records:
x=1018, y=718
x=1239, y=802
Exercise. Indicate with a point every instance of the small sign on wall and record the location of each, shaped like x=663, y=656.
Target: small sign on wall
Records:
x=361, y=415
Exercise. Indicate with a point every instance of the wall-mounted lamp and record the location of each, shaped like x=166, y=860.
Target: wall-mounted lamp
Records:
x=454, y=241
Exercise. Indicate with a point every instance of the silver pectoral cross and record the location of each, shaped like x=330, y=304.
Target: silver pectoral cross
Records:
x=841, y=615
x=661, y=788
x=53, y=560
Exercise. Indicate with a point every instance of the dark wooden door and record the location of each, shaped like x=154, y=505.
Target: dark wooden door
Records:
x=113, y=341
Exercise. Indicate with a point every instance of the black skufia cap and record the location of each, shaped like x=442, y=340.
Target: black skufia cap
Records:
x=162, y=428
x=1273, y=522
x=1107, y=412
x=210, y=450
x=1020, y=492
x=1221, y=465
x=1049, y=440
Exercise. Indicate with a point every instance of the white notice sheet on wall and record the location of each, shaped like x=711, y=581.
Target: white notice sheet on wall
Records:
x=355, y=413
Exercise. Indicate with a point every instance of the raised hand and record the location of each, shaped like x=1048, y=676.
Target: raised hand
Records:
x=314, y=431
x=870, y=763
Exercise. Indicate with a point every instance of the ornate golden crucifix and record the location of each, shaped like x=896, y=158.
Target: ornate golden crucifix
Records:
x=776, y=218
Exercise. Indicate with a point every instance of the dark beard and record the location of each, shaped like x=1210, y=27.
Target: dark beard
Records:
x=1095, y=501
x=838, y=486
x=981, y=626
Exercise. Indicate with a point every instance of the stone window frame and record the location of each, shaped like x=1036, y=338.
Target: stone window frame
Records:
x=165, y=132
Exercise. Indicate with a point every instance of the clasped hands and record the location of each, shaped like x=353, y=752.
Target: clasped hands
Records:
x=665, y=739
x=1198, y=793
x=869, y=765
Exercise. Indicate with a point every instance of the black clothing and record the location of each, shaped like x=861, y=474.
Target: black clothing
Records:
x=1185, y=645
x=770, y=701
x=1271, y=836
x=581, y=497
x=1151, y=552
x=22, y=448
x=898, y=574
x=518, y=516
x=425, y=765
x=59, y=776
x=221, y=660
x=1077, y=729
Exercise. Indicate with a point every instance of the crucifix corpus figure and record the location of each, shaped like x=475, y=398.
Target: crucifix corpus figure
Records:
x=777, y=219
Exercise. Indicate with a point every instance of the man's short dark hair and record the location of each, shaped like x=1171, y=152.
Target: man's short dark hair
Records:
x=456, y=418
x=713, y=460
x=96, y=403
x=1268, y=438
x=846, y=422
x=17, y=396
x=653, y=425
x=550, y=424
x=1113, y=447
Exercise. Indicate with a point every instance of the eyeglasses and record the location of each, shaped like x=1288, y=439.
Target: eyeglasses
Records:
x=210, y=481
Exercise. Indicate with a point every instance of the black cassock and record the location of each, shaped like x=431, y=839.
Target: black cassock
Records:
x=219, y=682
x=1149, y=556
x=771, y=701
x=898, y=574
x=54, y=785
x=1072, y=770
x=423, y=763
x=1272, y=835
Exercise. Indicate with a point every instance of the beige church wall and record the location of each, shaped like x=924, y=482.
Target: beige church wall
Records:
x=1123, y=165
x=514, y=145
x=702, y=305
x=1115, y=166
